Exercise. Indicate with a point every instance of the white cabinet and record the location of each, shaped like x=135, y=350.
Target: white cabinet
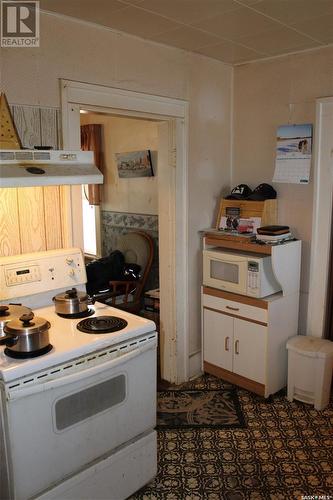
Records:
x=244, y=338
x=218, y=337
x=234, y=344
x=249, y=350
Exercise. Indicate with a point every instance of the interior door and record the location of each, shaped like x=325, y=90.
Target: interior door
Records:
x=250, y=350
x=217, y=338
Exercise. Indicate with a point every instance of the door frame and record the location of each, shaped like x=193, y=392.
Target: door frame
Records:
x=173, y=254
x=322, y=217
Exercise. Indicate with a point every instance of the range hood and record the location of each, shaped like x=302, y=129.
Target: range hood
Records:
x=26, y=168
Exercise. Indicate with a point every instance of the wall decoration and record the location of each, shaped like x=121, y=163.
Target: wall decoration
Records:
x=9, y=138
x=293, y=154
x=134, y=164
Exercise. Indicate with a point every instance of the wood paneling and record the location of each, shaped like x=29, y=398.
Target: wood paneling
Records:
x=9, y=223
x=66, y=215
x=52, y=212
x=27, y=121
x=49, y=127
x=32, y=222
x=34, y=219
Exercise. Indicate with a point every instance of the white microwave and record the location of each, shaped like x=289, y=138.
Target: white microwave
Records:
x=245, y=274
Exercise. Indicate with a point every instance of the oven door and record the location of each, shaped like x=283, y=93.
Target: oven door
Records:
x=58, y=428
x=225, y=271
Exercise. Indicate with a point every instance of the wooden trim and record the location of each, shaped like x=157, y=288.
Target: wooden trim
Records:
x=236, y=316
x=328, y=322
x=250, y=301
x=129, y=100
x=321, y=217
x=237, y=245
x=233, y=378
x=173, y=221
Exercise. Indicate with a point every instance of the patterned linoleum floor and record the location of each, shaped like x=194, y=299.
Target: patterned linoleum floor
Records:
x=286, y=452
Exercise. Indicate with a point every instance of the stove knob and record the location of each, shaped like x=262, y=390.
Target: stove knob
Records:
x=71, y=272
x=69, y=261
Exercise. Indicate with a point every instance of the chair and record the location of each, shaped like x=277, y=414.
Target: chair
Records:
x=137, y=248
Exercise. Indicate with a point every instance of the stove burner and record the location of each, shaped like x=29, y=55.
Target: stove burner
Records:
x=83, y=314
x=102, y=324
x=32, y=354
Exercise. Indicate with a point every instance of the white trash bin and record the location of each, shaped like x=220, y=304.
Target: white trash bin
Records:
x=310, y=363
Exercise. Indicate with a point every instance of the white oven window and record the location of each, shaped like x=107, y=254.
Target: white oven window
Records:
x=84, y=404
x=224, y=271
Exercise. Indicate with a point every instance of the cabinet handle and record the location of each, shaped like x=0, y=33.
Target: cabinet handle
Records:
x=226, y=344
x=232, y=308
x=237, y=347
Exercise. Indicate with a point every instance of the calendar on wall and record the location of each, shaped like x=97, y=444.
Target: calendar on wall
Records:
x=293, y=154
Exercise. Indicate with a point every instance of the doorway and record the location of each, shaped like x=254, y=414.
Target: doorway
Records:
x=172, y=118
x=126, y=202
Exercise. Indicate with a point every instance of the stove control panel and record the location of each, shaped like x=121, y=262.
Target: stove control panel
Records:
x=24, y=275
x=17, y=276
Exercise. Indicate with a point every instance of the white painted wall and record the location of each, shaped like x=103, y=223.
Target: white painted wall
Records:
x=136, y=195
x=87, y=53
x=268, y=94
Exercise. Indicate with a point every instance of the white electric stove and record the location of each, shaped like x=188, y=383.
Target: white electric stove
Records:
x=76, y=422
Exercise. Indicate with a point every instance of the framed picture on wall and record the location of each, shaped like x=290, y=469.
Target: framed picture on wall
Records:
x=134, y=164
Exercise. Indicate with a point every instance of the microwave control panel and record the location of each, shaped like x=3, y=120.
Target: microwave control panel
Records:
x=253, y=274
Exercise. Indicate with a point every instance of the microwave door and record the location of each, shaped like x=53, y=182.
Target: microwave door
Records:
x=229, y=275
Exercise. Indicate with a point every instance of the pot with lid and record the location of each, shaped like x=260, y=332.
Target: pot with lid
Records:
x=10, y=312
x=72, y=302
x=26, y=334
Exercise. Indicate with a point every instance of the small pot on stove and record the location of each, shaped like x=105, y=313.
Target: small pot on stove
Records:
x=26, y=334
x=72, y=302
x=10, y=312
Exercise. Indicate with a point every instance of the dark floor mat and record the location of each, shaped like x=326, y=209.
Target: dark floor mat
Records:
x=192, y=408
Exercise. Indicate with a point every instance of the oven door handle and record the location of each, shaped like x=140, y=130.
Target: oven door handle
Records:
x=80, y=375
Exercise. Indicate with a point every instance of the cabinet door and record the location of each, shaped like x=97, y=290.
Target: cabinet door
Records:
x=250, y=350
x=217, y=338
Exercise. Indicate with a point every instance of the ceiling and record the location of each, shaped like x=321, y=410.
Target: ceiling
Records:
x=232, y=31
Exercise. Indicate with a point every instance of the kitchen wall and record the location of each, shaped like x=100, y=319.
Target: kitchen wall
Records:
x=87, y=53
x=266, y=95
x=128, y=204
